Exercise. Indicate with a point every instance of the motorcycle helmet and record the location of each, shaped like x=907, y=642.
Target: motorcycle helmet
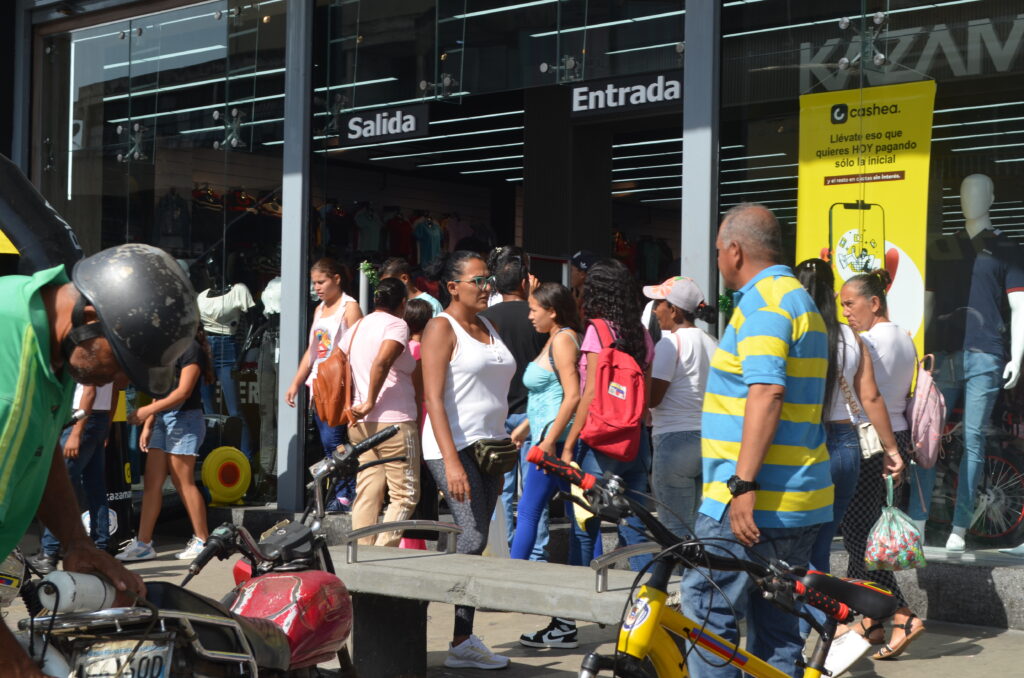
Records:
x=147, y=311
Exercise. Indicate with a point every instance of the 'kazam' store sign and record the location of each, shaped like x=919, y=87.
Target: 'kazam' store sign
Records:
x=627, y=94
x=371, y=126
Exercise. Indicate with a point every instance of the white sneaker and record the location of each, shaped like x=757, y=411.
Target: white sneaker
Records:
x=473, y=654
x=192, y=549
x=956, y=543
x=136, y=550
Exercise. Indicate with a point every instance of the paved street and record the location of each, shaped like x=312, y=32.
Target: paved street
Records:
x=963, y=650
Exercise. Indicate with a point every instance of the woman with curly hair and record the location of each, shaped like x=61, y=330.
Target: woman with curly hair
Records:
x=610, y=293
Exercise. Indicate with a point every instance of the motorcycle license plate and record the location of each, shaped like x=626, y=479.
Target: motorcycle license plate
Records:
x=104, y=660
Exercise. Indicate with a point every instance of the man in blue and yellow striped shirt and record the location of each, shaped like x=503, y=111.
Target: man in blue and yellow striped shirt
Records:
x=767, y=482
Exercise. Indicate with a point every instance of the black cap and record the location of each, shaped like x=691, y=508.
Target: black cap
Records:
x=584, y=259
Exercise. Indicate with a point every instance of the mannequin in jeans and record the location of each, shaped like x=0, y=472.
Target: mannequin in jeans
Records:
x=980, y=369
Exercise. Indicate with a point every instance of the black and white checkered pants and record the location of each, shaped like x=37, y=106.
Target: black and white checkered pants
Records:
x=864, y=511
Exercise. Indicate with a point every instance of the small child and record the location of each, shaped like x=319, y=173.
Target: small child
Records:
x=417, y=314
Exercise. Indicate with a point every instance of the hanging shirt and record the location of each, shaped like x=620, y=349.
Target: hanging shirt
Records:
x=220, y=313
x=428, y=237
x=400, y=240
x=370, y=226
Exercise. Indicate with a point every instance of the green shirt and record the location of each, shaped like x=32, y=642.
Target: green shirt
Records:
x=35, y=403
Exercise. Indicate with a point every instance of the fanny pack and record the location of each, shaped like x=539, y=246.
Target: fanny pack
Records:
x=495, y=455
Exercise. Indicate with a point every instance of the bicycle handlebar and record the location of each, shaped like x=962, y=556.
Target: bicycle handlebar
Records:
x=612, y=504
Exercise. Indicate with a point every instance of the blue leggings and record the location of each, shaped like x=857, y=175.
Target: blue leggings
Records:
x=538, y=489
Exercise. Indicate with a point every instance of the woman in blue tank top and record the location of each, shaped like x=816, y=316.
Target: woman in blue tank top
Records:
x=553, y=384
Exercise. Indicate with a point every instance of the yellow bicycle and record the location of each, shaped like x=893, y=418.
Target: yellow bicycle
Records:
x=655, y=639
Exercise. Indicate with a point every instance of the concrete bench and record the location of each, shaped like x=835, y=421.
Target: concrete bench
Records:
x=391, y=589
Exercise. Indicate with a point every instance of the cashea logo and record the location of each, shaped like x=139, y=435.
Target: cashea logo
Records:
x=396, y=122
x=614, y=96
x=842, y=112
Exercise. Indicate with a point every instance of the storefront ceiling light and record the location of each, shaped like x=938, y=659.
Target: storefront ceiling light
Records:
x=240, y=102
x=642, y=49
x=647, y=190
x=762, y=202
x=388, y=104
x=750, y=181
x=976, y=122
x=984, y=148
x=497, y=10
x=172, y=55
x=186, y=85
x=679, y=197
x=770, y=190
x=476, y=117
x=753, y=157
x=978, y=136
x=439, y=136
x=630, y=169
x=469, y=162
x=514, y=179
x=647, y=143
x=361, y=83
x=493, y=169
x=727, y=148
x=647, y=155
x=663, y=176
x=933, y=5
x=220, y=128
x=759, y=167
x=1010, y=160
x=606, y=24
x=975, y=108
x=447, y=150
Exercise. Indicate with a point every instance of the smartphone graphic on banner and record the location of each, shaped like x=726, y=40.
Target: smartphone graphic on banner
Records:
x=856, y=235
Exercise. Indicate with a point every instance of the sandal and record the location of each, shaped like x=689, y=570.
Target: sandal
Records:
x=868, y=631
x=891, y=652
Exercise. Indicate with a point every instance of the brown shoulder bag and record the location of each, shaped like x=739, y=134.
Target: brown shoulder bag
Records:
x=332, y=388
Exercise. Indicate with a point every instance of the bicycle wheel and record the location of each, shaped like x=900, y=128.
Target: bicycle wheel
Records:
x=999, y=500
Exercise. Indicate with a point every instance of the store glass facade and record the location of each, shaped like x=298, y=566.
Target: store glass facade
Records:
x=554, y=124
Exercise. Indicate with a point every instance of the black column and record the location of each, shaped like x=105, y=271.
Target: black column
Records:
x=567, y=178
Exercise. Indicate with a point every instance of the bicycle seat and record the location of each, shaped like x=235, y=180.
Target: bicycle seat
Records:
x=862, y=596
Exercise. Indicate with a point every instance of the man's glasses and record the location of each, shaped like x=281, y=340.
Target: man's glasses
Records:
x=482, y=282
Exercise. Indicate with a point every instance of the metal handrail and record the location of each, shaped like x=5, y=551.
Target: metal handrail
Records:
x=351, y=539
x=602, y=564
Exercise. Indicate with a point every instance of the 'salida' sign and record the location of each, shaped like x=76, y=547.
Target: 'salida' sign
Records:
x=627, y=94
x=367, y=127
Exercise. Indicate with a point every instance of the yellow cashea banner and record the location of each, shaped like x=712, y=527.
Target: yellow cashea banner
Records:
x=862, y=201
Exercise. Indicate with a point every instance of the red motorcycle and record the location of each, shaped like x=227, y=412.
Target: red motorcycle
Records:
x=287, y=614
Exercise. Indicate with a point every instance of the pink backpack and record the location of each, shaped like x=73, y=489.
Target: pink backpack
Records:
x=613, y=422
x=926, y=414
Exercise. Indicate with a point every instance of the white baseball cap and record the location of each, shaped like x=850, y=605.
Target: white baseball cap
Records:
x=679, y=291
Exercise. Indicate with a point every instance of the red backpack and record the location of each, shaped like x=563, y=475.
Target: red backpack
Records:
x=613, y=422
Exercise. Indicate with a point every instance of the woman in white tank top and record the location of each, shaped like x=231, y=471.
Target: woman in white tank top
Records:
x=466, y=373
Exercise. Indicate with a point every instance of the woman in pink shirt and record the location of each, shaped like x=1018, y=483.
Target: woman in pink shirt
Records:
x=382, y=395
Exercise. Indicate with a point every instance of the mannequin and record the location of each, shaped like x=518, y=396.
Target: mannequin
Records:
x=976, y=366
x=222, y=306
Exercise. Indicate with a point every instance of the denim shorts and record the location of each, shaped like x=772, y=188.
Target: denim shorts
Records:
x=178, y=432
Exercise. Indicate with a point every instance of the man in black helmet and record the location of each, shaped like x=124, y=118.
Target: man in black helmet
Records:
x=127, y=314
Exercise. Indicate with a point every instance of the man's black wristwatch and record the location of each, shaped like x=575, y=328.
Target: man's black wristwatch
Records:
x=738, y=486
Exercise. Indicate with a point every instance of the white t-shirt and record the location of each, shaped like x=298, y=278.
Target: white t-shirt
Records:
x=849, y=349
x=683, y=359
x=396, y=400
x=104, y=398
x=324, y=334
x=894, y=358
x=220, y=314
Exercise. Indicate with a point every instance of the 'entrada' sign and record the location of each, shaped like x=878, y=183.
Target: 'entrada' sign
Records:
x=367, y=127
x=626, y=94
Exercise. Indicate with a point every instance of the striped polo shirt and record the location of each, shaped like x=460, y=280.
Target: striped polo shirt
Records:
x=776, y=336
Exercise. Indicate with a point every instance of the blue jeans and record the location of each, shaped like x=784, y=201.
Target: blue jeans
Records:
x=330, y=438
x=539, y=550
x=538, y=490
x=634, y=474
x=88, y=472
x=772, y=634
x=225, y=354
x=978, y=377
x=675, y=479
x=844, y=452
